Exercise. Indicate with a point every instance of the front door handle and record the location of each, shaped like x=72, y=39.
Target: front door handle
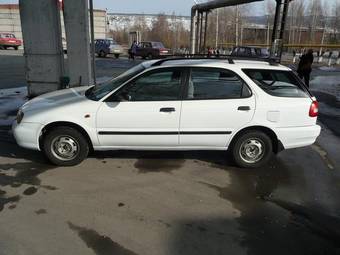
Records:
x=167, y=109
x=243, y=108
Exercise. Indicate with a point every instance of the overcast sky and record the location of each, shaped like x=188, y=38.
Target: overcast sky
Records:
x=180, y=7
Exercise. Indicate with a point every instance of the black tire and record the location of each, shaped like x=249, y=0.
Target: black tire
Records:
x=16, y=47
x=117, y=56
x=258, y=139
x=150, y=56
x=78, y=139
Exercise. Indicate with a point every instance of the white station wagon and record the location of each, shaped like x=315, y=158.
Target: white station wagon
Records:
x=253, y=108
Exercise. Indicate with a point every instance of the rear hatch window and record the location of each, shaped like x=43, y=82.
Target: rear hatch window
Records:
x=278, y=83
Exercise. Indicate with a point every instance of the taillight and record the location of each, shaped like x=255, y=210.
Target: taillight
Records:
x=163, y=50
x=314, y=109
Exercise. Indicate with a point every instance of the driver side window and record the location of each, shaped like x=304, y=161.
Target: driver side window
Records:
x=162, y=85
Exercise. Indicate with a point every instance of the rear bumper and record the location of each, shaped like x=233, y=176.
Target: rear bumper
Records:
x=27, y=134
x=116, y=51
x=295, y=137
x=8, y=44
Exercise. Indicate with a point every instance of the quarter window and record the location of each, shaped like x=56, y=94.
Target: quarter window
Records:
x=278, y=83
x=215, y=84
x=164, y=85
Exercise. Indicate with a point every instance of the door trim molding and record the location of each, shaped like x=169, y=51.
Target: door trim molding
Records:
x=164, y=133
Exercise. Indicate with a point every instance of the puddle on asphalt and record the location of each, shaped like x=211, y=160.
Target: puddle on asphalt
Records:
x=100, y=244
x=8, y=200
x=324, y=155
x=30, y=191
x=265, y=224
x=41, y=211
x=158, y=165
x=18, y=175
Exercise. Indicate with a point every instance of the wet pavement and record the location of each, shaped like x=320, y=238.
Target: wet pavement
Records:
x=127, y=202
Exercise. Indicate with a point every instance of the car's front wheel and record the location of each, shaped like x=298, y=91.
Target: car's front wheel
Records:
x=252, y=149
x=65, y=146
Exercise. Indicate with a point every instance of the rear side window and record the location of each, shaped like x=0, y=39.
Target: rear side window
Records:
x=157, y=45
x=278, y=83
x=215, y=84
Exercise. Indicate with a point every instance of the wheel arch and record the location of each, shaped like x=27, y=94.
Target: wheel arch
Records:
x=52, y=125
x=277, y=145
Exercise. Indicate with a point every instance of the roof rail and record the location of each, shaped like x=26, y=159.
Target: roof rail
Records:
x=231, y=59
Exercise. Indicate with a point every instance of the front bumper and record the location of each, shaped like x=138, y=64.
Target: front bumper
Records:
x=295, y=137
x=27, y=134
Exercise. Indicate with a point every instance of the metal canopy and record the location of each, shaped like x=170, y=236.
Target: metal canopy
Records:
x=199, y=21
x=204, y=7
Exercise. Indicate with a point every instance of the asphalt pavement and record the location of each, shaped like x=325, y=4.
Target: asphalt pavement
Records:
x=127, y=202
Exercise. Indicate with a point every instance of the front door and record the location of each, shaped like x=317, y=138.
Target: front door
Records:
x=217, y=102
x=144, y=113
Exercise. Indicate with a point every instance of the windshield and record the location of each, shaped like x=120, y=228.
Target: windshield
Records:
x=101, y=90
x=112, y=42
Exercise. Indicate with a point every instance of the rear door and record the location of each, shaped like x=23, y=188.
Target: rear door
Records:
x=289, y=102
x=217, y=102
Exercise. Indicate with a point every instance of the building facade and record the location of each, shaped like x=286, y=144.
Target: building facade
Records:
x=10, y=21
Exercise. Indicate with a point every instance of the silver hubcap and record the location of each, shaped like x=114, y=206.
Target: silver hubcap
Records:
x=252, y=151
x=65, y=148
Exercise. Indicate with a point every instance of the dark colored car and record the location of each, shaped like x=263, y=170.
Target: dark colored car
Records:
x=152, y=50
x=249, y=51
x=8, y=40
x=105, y=47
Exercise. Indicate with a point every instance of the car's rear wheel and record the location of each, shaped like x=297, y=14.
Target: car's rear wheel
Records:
x=252, y=149
x=65, y=146
x=117, y=56
x=150, y=56
x=16, y=47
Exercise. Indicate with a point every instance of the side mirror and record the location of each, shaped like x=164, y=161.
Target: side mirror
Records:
x=125, y=96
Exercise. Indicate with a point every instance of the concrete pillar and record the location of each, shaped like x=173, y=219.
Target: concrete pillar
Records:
x=44, y=58
x=76, y=19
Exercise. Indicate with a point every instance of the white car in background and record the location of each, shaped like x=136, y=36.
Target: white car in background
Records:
x=253, y=108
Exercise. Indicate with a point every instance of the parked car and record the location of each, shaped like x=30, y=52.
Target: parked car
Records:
x=105, y=47
x=152, y=50
x=254, y=109
x=8, y=40
x=251, y=52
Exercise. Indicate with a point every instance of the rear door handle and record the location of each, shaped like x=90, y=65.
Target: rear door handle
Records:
x=167, y=109
x=243, y=108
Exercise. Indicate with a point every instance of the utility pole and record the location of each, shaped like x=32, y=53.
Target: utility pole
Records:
x=237, y=40
x=217, y=28
x=268, y=31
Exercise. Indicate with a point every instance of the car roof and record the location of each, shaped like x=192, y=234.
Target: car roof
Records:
x=222, y=63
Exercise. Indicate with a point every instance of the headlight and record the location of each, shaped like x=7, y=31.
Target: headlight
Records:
x=20, y=116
